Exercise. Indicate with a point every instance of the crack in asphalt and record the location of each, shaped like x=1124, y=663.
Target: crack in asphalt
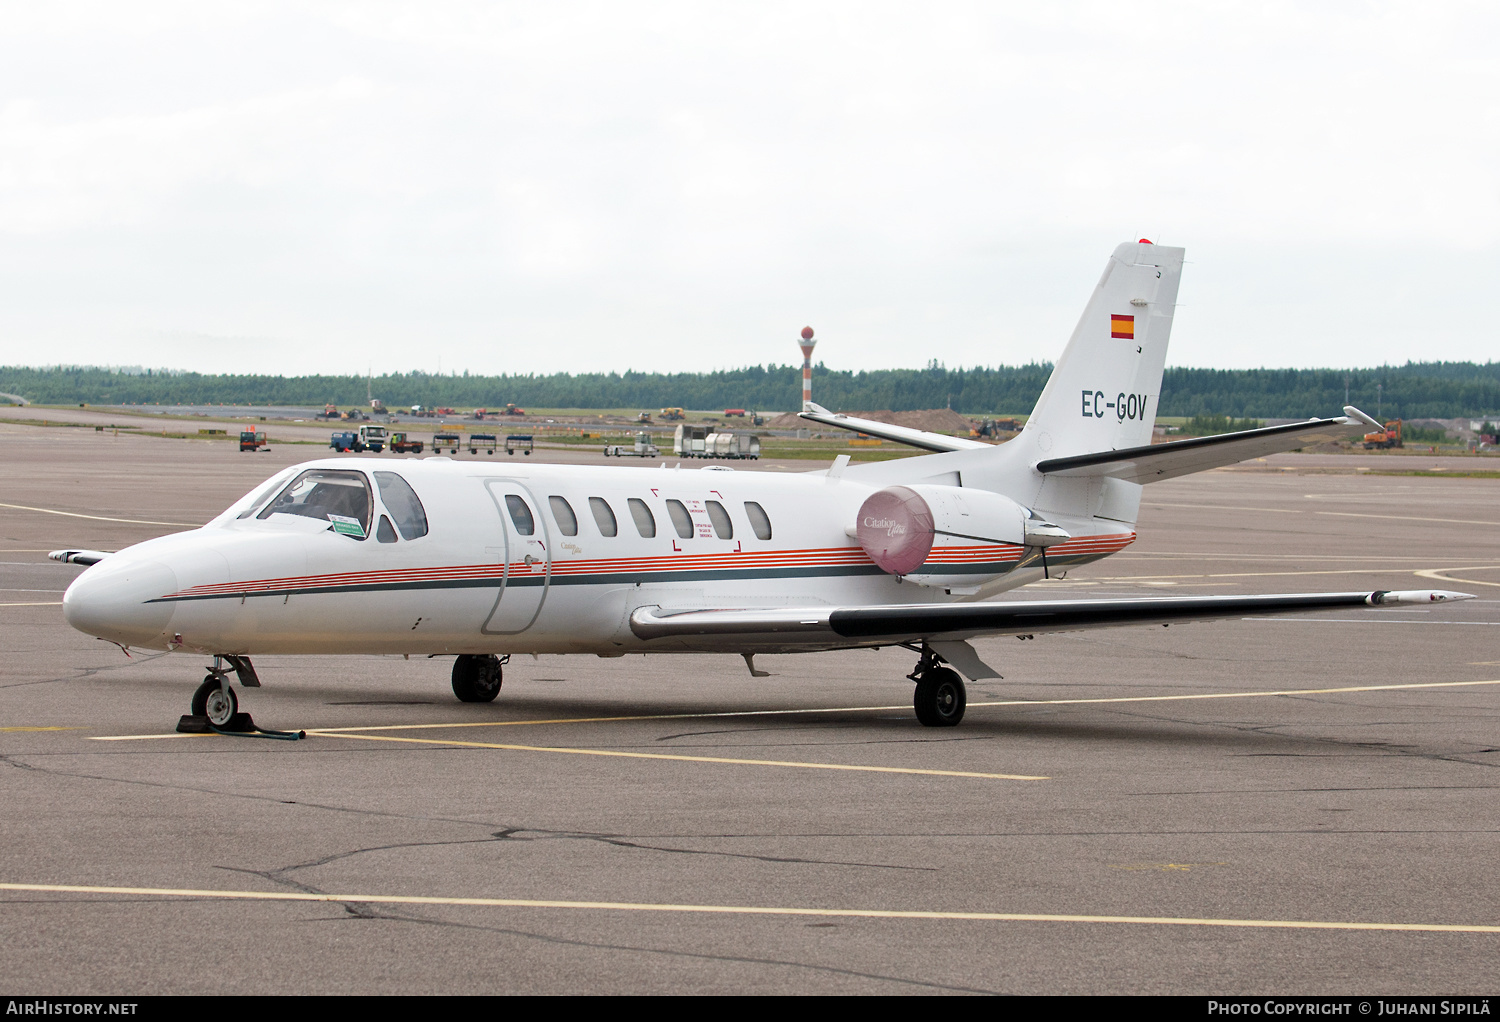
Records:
x=669, y=952
x=89, y=672
x=619, y=841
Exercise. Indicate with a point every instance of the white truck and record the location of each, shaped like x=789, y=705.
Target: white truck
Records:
x=643, y=448
x=372, y=438
x=691, y=441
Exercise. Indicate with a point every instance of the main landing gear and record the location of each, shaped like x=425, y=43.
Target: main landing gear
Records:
x=477, y=679
x=940, y=697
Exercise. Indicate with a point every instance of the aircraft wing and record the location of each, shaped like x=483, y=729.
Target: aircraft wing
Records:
x=885, y=431
x=804, y=628
x=1156, y=462
x=78, y=556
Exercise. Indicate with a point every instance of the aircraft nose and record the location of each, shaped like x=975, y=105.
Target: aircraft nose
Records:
x=113, y=601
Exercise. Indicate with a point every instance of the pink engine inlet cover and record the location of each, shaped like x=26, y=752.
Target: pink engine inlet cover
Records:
x=896, y=528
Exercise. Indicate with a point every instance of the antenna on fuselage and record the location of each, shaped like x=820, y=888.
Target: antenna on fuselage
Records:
x=807, y=344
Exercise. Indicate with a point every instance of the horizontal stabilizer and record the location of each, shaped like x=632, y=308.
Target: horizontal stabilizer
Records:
x=885, y=431
x=1156, y=462
x=828, y=627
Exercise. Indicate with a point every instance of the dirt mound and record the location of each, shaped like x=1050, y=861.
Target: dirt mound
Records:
x=933, y=420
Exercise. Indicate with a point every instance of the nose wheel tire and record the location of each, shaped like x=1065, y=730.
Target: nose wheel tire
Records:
x=477, y=679
x=215, y=701
x=940, y=698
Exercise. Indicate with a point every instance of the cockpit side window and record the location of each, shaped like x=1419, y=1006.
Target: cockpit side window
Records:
x=333, y=495
x=402, y=502
x=383, y=532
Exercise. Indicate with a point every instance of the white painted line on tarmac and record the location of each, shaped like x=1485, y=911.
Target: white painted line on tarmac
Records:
x=98, y=518
x=1437, y=573
x=750, y=910
x=1370, y=621
x=1408, y=518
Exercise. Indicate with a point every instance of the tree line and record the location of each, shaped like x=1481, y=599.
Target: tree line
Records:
x=1414, y=390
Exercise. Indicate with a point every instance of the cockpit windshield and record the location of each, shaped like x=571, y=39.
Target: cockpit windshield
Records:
x=340, y=497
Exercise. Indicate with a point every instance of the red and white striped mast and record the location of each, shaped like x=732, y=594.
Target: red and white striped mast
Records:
x=806, y=344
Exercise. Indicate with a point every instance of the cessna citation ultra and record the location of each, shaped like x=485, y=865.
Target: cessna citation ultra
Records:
x=437, y=556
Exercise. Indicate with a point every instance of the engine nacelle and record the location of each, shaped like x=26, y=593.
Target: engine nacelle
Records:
x=947, y=536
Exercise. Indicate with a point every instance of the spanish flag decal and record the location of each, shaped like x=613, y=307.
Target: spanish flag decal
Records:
x=1122, y=326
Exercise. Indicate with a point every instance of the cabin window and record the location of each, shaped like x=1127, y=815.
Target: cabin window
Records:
x=520, y=514
x=562, y=514
x=401, y=501
x=758, y=520
x=333, y=495
x=645, y=522
x=681, y=520
x=384, y=532
x=723, y=527
x=604, y=516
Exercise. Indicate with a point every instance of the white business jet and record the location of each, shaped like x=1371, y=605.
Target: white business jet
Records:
x=442, y=557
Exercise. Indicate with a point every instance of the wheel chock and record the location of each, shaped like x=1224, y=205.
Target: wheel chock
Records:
x=242, y=726
x=192, y=724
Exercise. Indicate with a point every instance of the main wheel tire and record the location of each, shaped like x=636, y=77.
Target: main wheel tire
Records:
x=215, y=701
x=940, y=698
x=477, y=679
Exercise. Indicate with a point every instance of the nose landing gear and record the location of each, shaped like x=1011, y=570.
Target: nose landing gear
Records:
x=477, y=679
x=940, y=697
x=216, y=707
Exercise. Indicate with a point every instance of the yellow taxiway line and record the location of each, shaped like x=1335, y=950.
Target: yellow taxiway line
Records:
x=49, y=603
x=750, y=910
x=684, y=759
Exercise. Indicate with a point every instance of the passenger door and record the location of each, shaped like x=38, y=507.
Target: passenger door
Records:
x=524, y=545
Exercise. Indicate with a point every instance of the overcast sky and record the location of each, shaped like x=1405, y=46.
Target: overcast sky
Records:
x=662, y=186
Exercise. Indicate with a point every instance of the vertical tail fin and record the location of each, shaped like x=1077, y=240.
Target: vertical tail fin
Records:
x=1103, y=392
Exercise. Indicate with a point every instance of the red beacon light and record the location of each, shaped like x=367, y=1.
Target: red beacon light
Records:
x=1145, y=241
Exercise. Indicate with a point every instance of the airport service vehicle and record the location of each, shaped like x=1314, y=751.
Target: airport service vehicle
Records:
x=401, y=444
x=691, y=441
x=253, y=440
x=642, y=448
x=372, y=438
x=344, y=441
x=513, y=410
x=330, y=412
x=516, y=442
x=481, y=442
x=731, y=413
x=440, y=557
x=442, y=440
x=672, y=414
x=1385, y=438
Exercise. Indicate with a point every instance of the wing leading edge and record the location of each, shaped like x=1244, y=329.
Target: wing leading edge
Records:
x=806, y=628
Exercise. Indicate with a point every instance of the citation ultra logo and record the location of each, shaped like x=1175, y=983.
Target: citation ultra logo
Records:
x=891, y=526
